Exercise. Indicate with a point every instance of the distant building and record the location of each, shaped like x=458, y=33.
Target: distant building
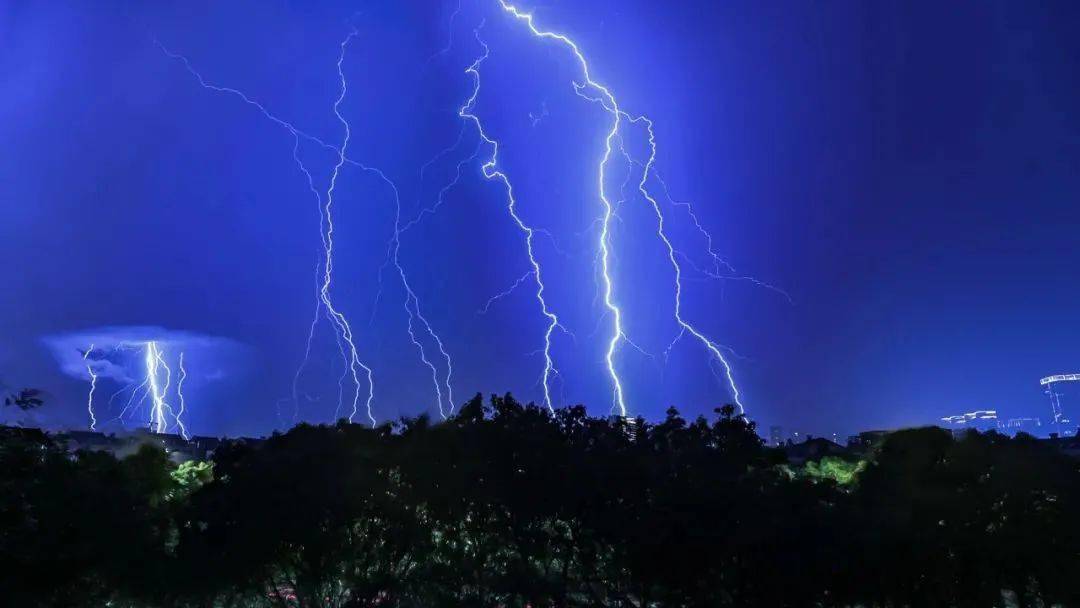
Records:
x=866, y=440
x=1031, y=426
x=814, y=448
x=979, y=420
x=1064, y=391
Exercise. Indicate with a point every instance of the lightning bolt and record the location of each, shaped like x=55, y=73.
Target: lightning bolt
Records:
x=324, y=302
x=419, y=329
x=412, y=309
x=93, y=387
x=593, y=91
x=491, y=171
x=504, y=293
x=180, y=397
x=158, y=391
x=343, y=327
x=685, y=327
x=611, y=105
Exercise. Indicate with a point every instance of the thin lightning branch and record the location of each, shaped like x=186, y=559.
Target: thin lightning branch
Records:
x=504, y=293
x=338, y=321
x=604, y=245
x=131, y=399
x=344, y=372
x=450, y=36
x=344, y=329
x=412, y=309
x=93, y=387
x=441, y=197
x=717, y=261
x=660, y=232
x=311, y=337
x=491, y=171
x=180, y=397
x=715, y=257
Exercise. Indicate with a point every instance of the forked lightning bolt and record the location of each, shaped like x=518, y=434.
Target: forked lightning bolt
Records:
x=491, y=170
x=155, y=387
x=155, y=362
x=419, y=329
x=684, y=326
x=180, y=397
x=344, y=329
x=93, y=387
x=325, y=267
x=412, y=309
x=324, y=301
x=607, y=100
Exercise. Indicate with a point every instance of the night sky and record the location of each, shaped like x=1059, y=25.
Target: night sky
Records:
x=908, y=173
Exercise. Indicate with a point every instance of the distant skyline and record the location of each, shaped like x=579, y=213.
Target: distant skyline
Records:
x=894, y=185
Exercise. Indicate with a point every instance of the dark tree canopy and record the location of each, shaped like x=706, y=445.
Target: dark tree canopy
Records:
x=508, y=505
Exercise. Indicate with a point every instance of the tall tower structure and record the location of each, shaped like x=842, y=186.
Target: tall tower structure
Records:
x=1055, y=387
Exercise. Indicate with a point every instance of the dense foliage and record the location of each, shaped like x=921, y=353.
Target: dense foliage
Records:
x=506, y=505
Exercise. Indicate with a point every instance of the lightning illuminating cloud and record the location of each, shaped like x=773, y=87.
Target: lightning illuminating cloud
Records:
x=93, y=387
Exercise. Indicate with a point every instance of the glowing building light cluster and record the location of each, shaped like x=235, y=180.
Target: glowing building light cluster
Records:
x=1060, y=378
x=969, y=417
x=1058, y=413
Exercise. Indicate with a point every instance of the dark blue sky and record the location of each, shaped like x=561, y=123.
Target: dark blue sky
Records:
x=908, y=172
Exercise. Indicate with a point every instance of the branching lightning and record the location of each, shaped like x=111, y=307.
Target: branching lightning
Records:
x=611, y=105
x=491, y=171
x=93, y=387
x=420, y=331
x=593, y=91
x=326, y=227
x=156, y=384
x=412, y=309
x=343, y=327
x=324, y=301
x=158, y=390
x=504, y=293
x=685, y=327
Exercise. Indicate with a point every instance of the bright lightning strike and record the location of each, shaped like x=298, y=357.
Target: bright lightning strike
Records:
x=419, y=329
x=158, y=391
x=93, y=387
x=344, y=329
x=491, y=171
x=608, y=101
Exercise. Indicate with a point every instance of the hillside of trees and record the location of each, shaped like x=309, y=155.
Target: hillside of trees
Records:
x=506, y=505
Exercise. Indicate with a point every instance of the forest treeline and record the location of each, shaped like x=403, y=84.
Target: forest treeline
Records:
x=507, y=505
